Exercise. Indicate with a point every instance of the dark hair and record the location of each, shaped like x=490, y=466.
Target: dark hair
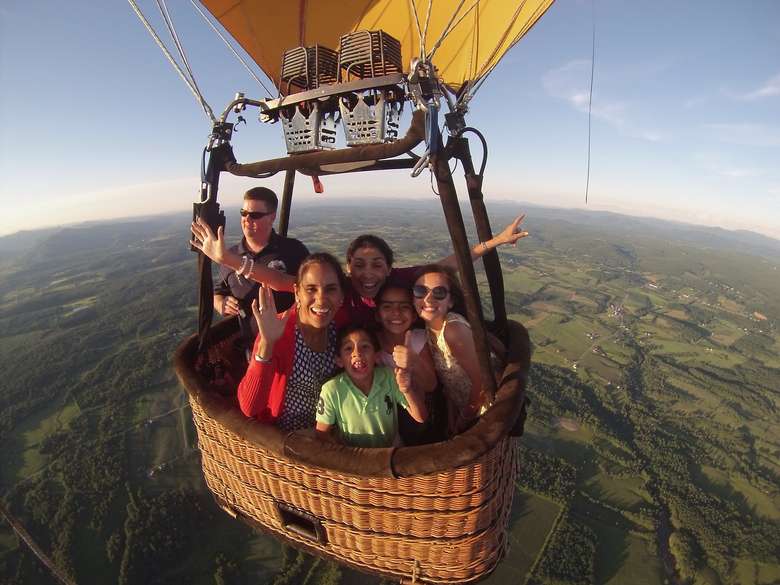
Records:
x=456, y=292
x=263, y=194
x=416, y=321
x=354, y=327
x=328, y=260
x=389, y=285
x=370, y=241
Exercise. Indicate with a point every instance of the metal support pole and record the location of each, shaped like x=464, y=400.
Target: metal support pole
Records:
x=460, y=243
x=460, y=150
x=284, y=213
x=208, y=210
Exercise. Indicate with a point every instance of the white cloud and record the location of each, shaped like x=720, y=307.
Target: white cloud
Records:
x=770, y=88
x=716, y=164
x=571, y=83
x=695, y=102
x=739, y=173
x=745, y=134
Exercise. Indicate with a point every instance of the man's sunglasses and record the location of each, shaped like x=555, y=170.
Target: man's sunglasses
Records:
x=420, y=291
x=255, y=214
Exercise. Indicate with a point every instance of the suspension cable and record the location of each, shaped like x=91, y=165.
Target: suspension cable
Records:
x=424, y=38
x=198, y=96
x=478, y=84
x=419, y=29
x=229, y=46
x=163, y=8
x=590, y=97
x=482, y=71
x=450, y=27
x=175, y=37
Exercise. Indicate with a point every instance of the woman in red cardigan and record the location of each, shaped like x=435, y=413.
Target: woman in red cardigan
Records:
x=294, y=352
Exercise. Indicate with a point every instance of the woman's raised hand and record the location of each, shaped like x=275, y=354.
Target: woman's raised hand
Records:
x=513, y=232
x=207, y=242
x=269, y=324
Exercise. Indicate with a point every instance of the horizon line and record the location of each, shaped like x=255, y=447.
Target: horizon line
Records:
x=311, y=201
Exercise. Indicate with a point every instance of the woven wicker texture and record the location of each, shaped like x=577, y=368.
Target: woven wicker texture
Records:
x=435, y=513
x=444, y=527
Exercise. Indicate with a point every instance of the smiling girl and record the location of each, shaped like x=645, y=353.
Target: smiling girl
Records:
x=436, y=293
x=370, y=266
x=400, y=345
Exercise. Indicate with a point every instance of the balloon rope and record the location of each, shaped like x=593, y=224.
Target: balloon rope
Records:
x=480, y=79
x=425, y=30
x=482, y=69
x=229, y=46
x=419, y=30
x=590, y=96
x=164, y=49
x=163, y=8
x=175, y=37
x=450, y=27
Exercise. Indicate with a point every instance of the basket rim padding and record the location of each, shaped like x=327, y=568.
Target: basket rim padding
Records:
x=305, y=448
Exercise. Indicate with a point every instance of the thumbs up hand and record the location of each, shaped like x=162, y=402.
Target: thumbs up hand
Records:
x=403, y=378
x=403, y=355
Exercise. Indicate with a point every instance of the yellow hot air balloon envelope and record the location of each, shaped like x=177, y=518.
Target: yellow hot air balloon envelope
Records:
x=468, y=37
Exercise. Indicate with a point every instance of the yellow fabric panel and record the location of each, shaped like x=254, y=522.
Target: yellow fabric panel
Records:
x=473, y=47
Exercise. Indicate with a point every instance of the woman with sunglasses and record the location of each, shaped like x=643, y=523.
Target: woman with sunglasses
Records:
x=436, y=293
x=370, y=266
x=294, y=352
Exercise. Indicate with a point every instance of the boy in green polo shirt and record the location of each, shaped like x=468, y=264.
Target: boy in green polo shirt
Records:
x=362, y=400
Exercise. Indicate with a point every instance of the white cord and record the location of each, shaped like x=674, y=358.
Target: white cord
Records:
x=419, y=30
x=172, y=61
x=485, y=71
x=166, y=16
x=450, y=27
x=229, y=46
x=425, y=30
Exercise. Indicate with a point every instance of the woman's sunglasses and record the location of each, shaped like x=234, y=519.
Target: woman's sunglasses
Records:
x=254, y=214
x=420, y=291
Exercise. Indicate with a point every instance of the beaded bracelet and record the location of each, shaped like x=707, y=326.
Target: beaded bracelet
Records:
x=244, y=261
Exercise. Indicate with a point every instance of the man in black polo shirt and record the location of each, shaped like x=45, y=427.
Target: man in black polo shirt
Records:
x=260, y=249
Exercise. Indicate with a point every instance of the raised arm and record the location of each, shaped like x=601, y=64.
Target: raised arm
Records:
x=420, y=364
x=414, y=398
x=213, y=246
x=509, y=235
x=261, y=389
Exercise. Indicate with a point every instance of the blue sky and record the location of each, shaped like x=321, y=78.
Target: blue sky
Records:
x=686, y=114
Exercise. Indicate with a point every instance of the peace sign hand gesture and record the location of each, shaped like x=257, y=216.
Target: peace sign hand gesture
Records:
x=269, y=324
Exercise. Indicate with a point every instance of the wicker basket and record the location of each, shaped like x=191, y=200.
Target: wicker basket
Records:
x=434, y=513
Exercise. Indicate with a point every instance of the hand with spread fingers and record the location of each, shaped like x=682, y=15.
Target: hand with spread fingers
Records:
x=207, y=242
x=269, y=324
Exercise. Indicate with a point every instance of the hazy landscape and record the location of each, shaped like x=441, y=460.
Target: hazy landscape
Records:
x=651, y=453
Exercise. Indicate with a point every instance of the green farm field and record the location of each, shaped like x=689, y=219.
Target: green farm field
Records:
x=650, y=454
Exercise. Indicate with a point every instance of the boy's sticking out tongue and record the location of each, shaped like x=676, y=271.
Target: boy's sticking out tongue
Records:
x=357, y=355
